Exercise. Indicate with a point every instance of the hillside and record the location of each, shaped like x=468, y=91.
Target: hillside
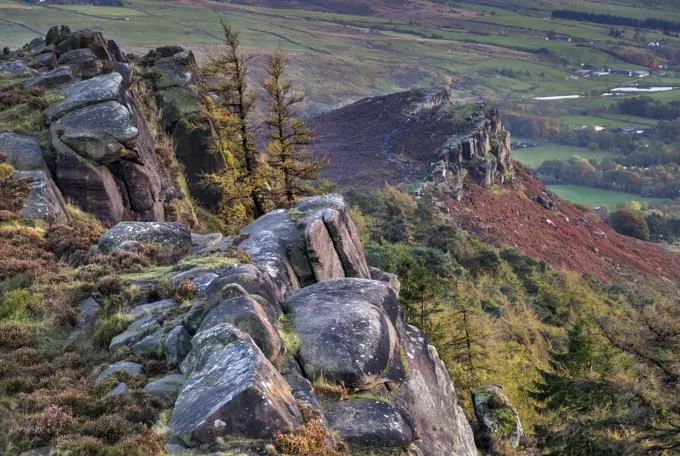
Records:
x=400, y=140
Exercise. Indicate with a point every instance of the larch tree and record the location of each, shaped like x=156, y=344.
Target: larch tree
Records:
x=229, y=106
x=288, y=135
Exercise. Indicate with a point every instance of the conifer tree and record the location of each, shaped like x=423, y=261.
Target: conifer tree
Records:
x=287, y=135
x=229, y=106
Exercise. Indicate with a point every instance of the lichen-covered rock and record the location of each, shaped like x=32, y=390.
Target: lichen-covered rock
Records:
x=166, y=388
x=102, y=133
x=320, y=249
x=22, y=152
x=87, y=39
x=153, y=307
x=17, y=69
x=347, y=331
x=107, y=87
x=173, y=237
x=390, y=279
x=253, y=280
x=303, y=392
x=151, y=346
x=275, y=244
x=231, y=390
x=176, y=346
x=136, y=332
x=47, y=60
x=430, y=398
x=120, y=390
x=44, y=201
x=342, y=231
x=123, y=366
x=202, y=277
x=369, y=423
x=94, y=188
x=52, y=78
x=247, y=315
x=87, y=308
x=497, y=418
x=82, y=63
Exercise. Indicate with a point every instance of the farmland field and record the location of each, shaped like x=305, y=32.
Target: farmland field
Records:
x=596, y=197
x=534, y=156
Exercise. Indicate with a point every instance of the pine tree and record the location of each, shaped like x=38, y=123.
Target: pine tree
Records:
x=288, y=135
x=229, y=106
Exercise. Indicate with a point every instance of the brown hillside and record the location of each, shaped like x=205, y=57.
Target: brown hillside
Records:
x=398, y=139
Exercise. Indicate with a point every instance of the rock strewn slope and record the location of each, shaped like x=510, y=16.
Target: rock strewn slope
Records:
x=226, y=377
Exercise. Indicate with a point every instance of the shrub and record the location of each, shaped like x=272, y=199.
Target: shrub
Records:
x=310, y=439
x=109, y=327
x=43, y=427
x=15, y=335
x=80, y=445
x=22, y=252
x=109, y=285
x=146, y=443
x=109, y=428
x=14, y=304
x=185, y=291
x=629, y=223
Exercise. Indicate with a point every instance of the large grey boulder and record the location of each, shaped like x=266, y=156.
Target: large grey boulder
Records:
x=342, y=230
x=152, y=307
x=22, y=152
x=82, y=62
x=52, y=78
x=253, y=280
x=369, y=423
x=151, y=346
x=173, y=237
x=166, y=388
x=107, y=87
x=102, y=133
x=347, y=331
x=17, y=69
x=392, y=280
x=247, y=315
x=176, y=346
x=87, y=308
x=275, y=244
x=431, y=400
x=231, y=390
x=497, y=418
x=44, y=200
x=136, y=332
x=321, y=252
x=123, y=366
x=94, y=188
x=47, y=60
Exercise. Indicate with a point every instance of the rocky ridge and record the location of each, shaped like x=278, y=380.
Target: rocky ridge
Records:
x=108, y=138
x=254, y=346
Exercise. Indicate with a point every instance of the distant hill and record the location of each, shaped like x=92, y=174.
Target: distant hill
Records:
x=411, y=139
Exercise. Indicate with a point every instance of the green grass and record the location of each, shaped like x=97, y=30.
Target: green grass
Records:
x=598, y=197
x=606, y=120
x=533, y=157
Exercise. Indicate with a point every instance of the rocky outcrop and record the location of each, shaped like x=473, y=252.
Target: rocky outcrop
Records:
x=483, y=153
x=497, y=419
x=253, y=346
x=174, y=72
x=231, y=389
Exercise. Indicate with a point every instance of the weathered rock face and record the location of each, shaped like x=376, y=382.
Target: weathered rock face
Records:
x=347, y=331
x=498, y=420
x=44, y=201
x=231, y=389
x=368, y=423
x=180, y=106
x=22, y=152
x=484, y=153
x=106, y=161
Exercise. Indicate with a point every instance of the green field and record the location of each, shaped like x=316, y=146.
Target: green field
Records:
x=533, y=157
x=596, y=197
x=606, y=120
